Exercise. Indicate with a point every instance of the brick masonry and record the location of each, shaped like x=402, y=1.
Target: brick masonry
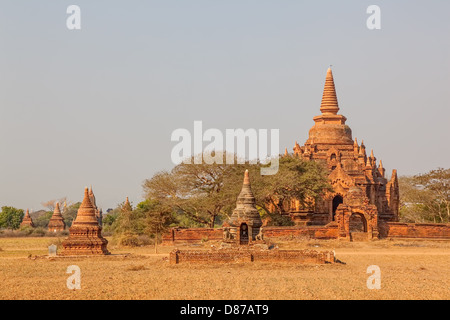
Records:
x=415, y=230
x=180, y=235
x=330, y=231
x=241, y=255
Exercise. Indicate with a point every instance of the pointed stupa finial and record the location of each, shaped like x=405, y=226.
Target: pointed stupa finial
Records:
x=394, y=174
x=329, y=99
x=86, y=211
x=246, y=177
x=27, y=214
x=371, y=154
x=57, y=210
x=355, y=143
x=285, y=152
x=127, y=205
x=362, y=149
x=86, y=203
x=381, y=169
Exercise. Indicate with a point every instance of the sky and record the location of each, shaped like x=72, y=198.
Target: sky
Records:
x=97, y=106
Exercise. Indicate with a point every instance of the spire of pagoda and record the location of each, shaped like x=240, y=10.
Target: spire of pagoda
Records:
x=86, y=212
x=329, y=103
x=246, y=206
x=57, y=211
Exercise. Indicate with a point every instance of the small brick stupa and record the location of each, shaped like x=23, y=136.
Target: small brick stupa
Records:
x=85, y=233
x=245, y=222
x=27, y=221
x=56, y=222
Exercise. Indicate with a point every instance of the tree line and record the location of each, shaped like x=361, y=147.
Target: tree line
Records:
x=204, y=195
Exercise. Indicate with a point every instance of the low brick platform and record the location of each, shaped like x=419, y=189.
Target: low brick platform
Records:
x=250, y=255
x=415, y=230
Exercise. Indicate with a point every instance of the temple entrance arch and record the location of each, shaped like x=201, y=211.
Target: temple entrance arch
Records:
x=243, y=234
x=357, y=222
x=337, y=200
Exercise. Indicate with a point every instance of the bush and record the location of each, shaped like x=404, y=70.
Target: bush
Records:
x=133, y=240
x=145, y=240
x=26, y=231
x=39, y=232
x=32, y=232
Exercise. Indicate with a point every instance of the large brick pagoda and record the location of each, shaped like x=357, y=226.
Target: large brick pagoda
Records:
x=85, y=233
x=350, y=169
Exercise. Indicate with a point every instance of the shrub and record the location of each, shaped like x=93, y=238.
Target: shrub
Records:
x=129, y=240
x=39, y=232
x=134, y=240
x=26, y=231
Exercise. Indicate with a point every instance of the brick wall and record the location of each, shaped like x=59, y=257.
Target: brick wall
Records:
x=414, y=230
x=180, y=235
x=386, y=229
x=189, y=235
x=313, y=232
x=237, y=255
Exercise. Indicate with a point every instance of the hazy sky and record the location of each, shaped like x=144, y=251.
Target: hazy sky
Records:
x=97, y=106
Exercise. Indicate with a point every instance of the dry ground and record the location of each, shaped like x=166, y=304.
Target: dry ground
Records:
x=409, y=270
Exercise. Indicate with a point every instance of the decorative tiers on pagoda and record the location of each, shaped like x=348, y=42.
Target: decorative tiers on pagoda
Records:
x=56, y=222
x=85, y=233
x=27, y=221
x=245, y=222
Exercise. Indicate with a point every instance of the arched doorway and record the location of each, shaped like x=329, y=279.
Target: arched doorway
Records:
x=337, y=200
x=357, y=223
x=243, y=234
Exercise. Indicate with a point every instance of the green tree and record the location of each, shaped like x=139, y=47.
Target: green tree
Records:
x=110, y=219
x=425, y=197
x=10, y=218
x=157, y=217
x=207, y=193
x=43, y=219
x=70, y=213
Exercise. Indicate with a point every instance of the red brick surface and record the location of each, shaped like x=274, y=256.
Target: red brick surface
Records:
x=386, y=229
x=180, y=235
x=415, y=230
x=239, y=255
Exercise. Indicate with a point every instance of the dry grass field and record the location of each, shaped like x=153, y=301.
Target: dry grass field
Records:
x=409, y=270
